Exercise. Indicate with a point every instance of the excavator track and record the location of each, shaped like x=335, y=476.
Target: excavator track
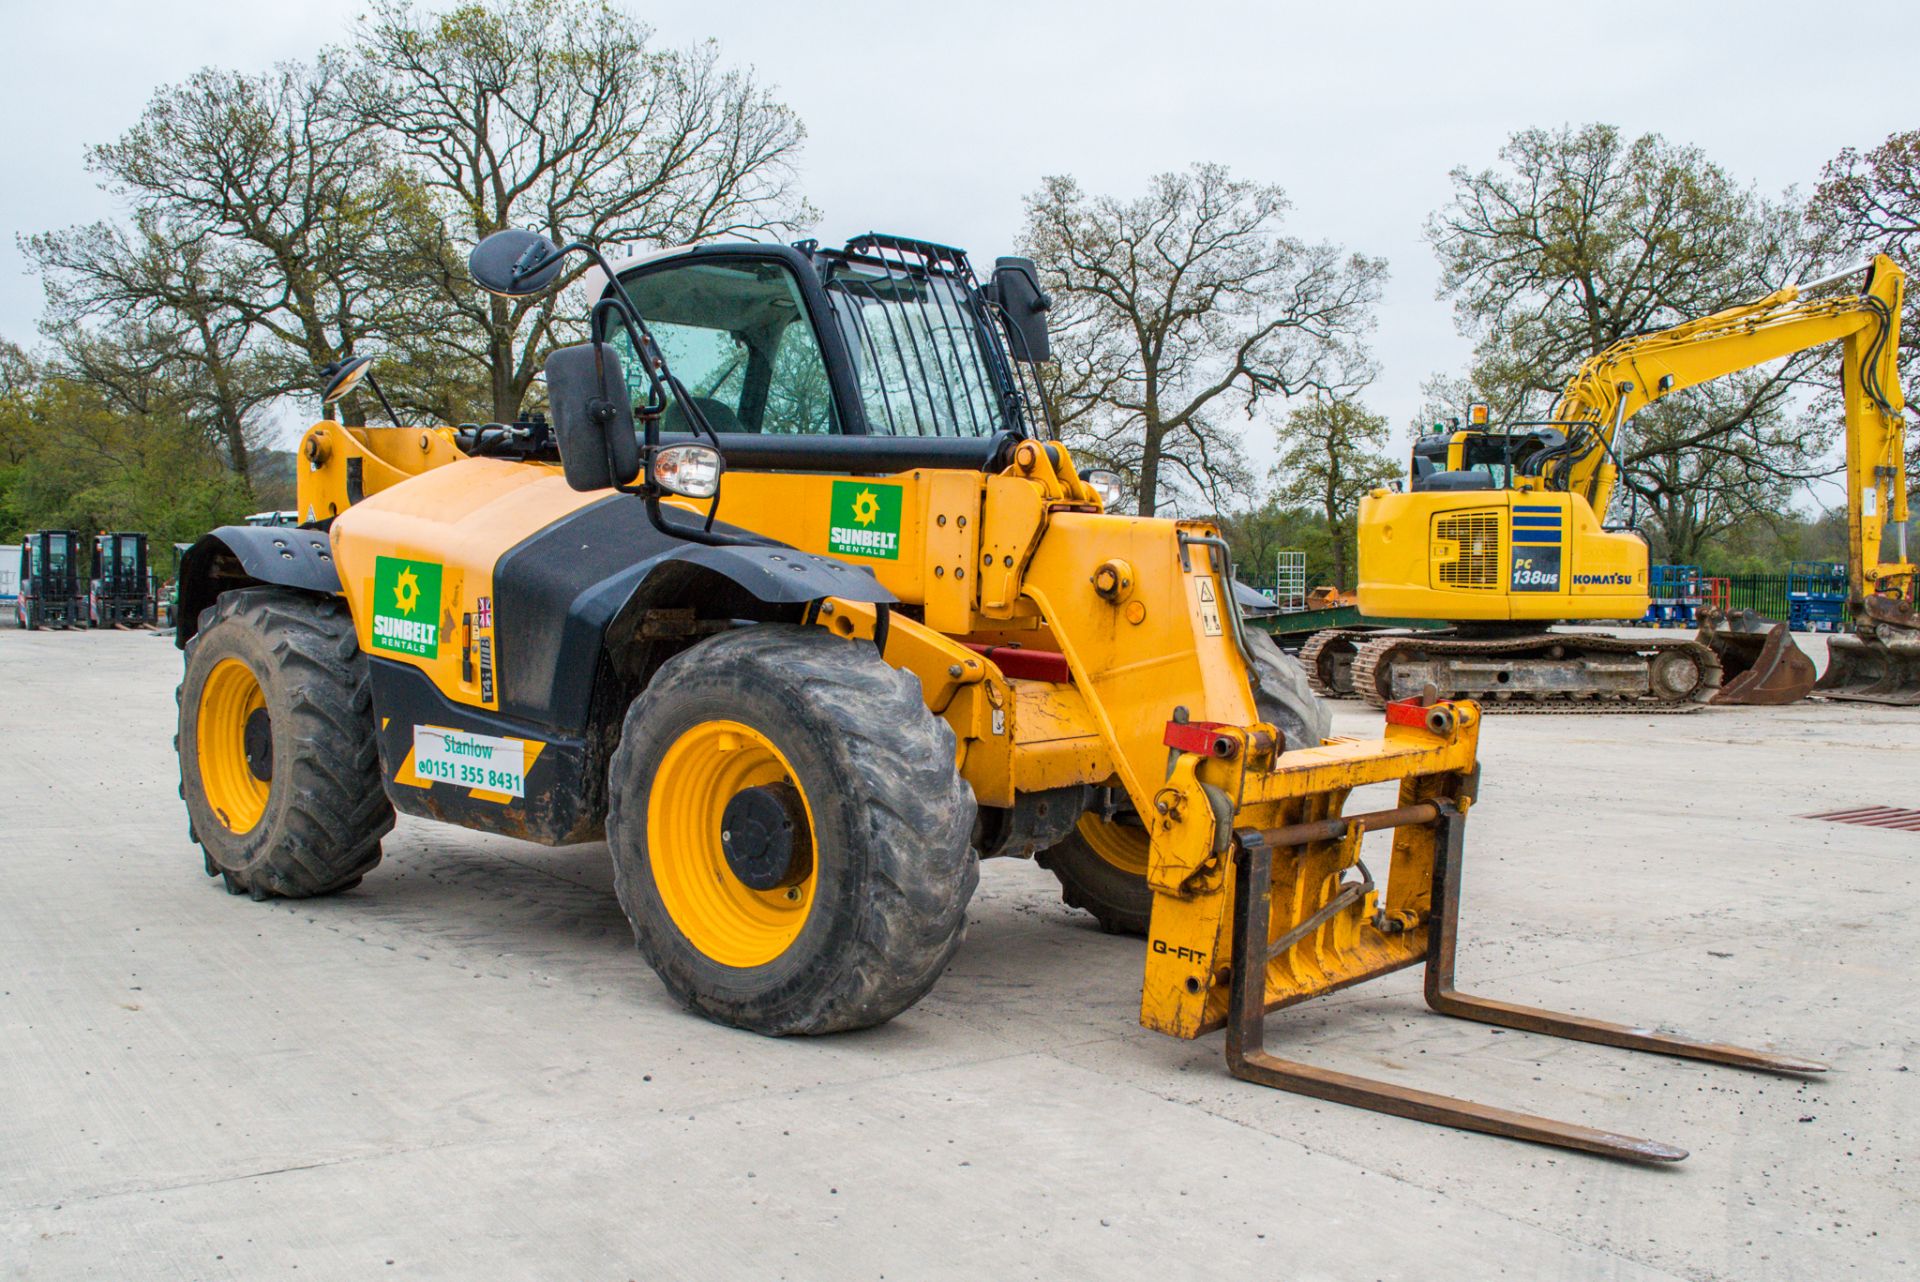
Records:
x=1679, y=658
x=1324, y=668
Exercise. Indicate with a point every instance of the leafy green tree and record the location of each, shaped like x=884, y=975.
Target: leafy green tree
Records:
x=1179, y=309
x=74, y=456
x=1329, y=459
x=1259, y=534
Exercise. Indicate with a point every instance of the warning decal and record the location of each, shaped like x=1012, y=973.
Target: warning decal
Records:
x=1208, y=602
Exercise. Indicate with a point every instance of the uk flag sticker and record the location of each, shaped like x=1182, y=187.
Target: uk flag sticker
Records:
x=483, y=612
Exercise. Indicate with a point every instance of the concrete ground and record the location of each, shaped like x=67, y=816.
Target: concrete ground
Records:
x=463, y=1069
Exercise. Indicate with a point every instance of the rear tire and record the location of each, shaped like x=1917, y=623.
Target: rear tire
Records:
x=866, y=916
x=1102, y=865
x=276, y=685
x=1286, y=697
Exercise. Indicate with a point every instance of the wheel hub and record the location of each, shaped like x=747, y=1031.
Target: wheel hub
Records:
x=257, y=741
x=763, y=833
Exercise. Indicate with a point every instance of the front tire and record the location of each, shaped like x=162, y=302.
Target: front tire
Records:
x=278, y=764
x=789, y=832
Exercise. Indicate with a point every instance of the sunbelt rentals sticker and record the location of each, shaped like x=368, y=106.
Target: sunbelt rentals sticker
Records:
x=865, y=520
x=406, y=606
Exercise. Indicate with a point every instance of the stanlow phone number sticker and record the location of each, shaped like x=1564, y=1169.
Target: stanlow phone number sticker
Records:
x=470, y=760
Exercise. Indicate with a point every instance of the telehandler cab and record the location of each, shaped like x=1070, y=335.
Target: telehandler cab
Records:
x=834, y=621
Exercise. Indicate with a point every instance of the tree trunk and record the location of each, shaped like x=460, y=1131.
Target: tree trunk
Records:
x=233, y=428
x=506, y=398
x=1148, y=496
x=1338, y=536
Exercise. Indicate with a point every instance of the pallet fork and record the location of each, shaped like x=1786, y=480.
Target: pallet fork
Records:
x=1290, y=902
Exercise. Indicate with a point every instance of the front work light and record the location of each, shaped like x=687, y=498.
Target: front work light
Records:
x=1107, y=485
x=691, y=471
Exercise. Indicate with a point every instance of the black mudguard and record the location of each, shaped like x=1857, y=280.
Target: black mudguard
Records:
x=239, y=556
x=560, y=592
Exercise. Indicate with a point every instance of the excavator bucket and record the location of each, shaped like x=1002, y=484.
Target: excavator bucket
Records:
x=1760, y=664
x=1879, y=663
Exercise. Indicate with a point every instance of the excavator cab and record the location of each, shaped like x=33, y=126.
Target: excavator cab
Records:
x=1481, y=458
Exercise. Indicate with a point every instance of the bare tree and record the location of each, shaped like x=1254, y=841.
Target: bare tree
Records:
x=304, y=231
x=561, y=115
x=1695, y=479
x=1581, y=238
x=1330, y=457
x=1181, y=307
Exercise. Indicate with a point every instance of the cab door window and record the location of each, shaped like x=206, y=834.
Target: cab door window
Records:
x=737, y=335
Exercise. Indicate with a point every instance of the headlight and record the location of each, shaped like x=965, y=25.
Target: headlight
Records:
x=1107, y=485
x=691, y=471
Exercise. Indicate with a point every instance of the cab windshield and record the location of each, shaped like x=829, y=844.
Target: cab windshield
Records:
x=738, y=335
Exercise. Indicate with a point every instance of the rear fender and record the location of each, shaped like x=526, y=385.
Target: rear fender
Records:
x=244, y=556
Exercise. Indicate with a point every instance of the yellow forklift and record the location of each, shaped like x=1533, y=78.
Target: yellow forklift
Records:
x=797, y=605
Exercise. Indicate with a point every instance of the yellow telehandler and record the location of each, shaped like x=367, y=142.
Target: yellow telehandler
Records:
x=1500, y=535
x=796, y=605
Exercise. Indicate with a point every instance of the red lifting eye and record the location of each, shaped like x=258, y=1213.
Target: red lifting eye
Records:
x=1200, y=736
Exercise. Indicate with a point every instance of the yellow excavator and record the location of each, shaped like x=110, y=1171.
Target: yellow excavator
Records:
x=1500, y=533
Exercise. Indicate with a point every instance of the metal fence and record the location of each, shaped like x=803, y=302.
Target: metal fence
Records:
x=1766, y=594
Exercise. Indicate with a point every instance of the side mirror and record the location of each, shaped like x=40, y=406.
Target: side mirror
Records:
x=342, y=377
x=1016, y=288
x=515, y=263
x=592, y=416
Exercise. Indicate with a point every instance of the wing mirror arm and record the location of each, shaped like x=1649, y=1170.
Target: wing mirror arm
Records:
x=661, y=381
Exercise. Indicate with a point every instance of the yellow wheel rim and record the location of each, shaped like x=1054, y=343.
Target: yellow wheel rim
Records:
x=728, y=921
x=230, y=699
x=1122, y=845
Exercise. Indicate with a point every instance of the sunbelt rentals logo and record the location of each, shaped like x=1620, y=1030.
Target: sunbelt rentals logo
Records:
x=865, y=520
x=406, y=606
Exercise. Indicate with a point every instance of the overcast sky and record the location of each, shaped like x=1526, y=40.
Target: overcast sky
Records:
x=935, y=120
